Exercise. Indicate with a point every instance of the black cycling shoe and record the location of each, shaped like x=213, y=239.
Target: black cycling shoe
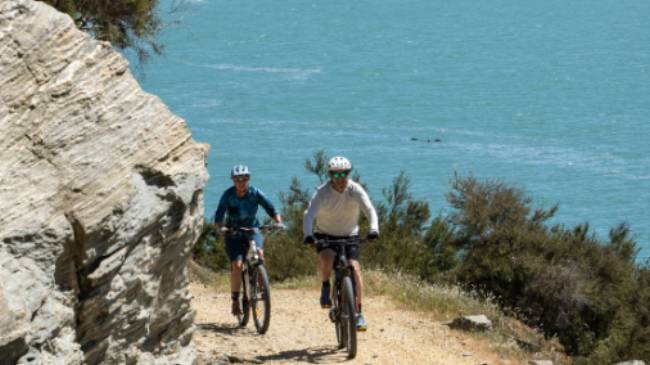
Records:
x=325, y=301
x=236, y=308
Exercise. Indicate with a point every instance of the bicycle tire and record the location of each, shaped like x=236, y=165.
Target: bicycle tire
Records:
x=340, y=335
x=261, y=296
x=245, y=303
x=348, y=317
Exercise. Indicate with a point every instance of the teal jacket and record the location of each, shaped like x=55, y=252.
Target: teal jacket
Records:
x=242, y=212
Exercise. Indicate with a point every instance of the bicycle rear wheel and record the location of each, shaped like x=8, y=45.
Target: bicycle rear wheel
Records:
x=245, y=303
x=348, y=317
x=261, y=299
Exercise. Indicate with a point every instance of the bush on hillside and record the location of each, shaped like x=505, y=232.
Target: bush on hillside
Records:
x=563, y=280
x=402, y=222
x=209, y=250
x=286, y=255
x=638, y=345
x=123, y=23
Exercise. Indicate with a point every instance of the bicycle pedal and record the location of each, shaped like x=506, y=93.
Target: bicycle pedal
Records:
x=326, y=306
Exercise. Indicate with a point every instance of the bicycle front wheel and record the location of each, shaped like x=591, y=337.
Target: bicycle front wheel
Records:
x=335, y=316
x=348, y=317
x=261, y=299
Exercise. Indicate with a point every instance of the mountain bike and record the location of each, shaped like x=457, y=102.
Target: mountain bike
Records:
x=343, y=312
x=256, y=293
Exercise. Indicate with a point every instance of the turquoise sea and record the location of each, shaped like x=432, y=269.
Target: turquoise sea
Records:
x=551, y=96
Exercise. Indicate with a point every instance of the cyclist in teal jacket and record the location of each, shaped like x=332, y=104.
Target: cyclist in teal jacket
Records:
x=239, y=205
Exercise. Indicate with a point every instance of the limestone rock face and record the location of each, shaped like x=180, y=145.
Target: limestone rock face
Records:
x=100, y=202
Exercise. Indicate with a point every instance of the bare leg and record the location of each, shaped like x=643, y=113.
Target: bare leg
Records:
x=235, y=275
x=326, y=262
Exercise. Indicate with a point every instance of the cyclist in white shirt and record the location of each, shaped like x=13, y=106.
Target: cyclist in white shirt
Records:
x=336, y=206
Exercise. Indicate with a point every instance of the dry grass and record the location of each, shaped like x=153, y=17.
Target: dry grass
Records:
x=200, y=274
x=444, y=303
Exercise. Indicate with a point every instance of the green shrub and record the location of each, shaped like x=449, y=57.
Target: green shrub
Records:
x=209, y=251
x=286, y=256
x=403, y=247
x=124, y=23
x=563, y=280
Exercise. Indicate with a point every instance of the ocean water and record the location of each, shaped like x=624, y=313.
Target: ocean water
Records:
x=550, y=96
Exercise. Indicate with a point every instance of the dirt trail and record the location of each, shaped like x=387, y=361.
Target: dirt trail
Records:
x=301, y=333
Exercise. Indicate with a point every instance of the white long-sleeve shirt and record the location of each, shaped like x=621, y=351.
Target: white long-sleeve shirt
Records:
x=337, y=214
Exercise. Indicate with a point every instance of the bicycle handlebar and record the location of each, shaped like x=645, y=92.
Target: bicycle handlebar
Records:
x=347, y=241
x=267, y=227
x=224, y=230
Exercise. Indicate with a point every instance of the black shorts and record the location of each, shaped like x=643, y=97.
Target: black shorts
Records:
x=352, y=252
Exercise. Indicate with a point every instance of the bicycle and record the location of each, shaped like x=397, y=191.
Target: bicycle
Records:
x=256, y=293
x=343, y=312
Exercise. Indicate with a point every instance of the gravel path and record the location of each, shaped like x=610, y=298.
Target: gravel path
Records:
x=301, y=333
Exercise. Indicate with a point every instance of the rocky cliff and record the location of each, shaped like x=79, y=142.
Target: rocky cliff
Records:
x=100, y=202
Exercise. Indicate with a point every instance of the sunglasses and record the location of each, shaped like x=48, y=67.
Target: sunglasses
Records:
x=339, y=174
x=241, y=178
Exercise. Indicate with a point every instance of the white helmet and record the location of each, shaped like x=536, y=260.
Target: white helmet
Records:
x=338, y=163
x=239, y=170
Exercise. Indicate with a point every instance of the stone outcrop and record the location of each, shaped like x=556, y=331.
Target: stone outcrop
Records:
x=540, y=362
x=100, y=202
x=472, y=323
